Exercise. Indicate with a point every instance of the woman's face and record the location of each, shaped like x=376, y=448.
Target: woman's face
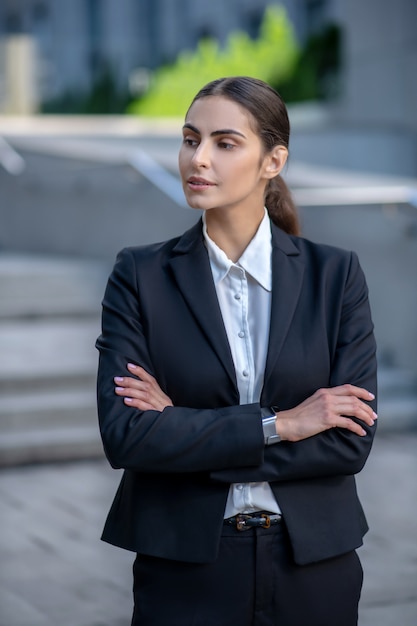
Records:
x=221, y=160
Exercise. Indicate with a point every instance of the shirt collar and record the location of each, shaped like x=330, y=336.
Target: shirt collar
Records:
x=255, y=260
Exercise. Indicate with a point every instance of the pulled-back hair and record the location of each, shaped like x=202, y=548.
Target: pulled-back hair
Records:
x=269, y=114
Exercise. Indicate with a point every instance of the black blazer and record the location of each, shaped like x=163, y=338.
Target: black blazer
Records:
x=160, y=310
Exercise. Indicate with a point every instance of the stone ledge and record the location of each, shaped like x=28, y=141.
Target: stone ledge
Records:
x=41, y=446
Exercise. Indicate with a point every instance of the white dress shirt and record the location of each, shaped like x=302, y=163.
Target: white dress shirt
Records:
x=244, y=292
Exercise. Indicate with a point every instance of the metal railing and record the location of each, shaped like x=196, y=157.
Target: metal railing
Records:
x=169, y=184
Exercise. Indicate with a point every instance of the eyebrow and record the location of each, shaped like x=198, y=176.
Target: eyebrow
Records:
x=222, y=131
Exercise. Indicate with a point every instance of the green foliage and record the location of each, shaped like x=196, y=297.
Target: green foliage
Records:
x=270, y=57
x=316, y=72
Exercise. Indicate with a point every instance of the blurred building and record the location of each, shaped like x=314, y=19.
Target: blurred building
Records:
x=79, y=40
x=373, y=123
x=57, y=50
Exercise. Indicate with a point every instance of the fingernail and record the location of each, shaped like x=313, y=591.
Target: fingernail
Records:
x=128, y=399
x=118, y=379
x=375, y=416
x=363, y=432
x=132, y=366
x=118, y=388
x=371, y=395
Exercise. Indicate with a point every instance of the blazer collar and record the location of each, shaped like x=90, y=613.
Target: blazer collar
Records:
x=191, y=267
x=287, y=279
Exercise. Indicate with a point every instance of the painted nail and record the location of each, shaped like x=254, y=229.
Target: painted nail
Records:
x=375, y=416
x=118, y=379
x=128, y=400
x=371, y=395
x=118, y=389
x=132, y=366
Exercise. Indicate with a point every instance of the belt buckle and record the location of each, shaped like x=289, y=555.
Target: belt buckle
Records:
x=242, y=525
x=241, y=521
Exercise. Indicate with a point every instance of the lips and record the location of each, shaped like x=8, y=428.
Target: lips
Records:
x=196, y=182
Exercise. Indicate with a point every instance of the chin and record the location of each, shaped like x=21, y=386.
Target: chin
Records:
x=196, y=203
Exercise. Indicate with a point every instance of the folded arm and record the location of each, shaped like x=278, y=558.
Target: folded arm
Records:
x=155, y=436
x=327, y=434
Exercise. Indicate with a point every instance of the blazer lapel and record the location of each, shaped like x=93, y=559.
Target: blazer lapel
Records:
x=191, y=268
x=287, y=279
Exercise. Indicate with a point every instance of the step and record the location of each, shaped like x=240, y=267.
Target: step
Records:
x=49, y=445
x=63, y=425
x=43, y=426
x=48, y=410
x=41, y=352
x=397, y=399
x=394, y=381
x=397, y=412
x=47, y=286
x=47, y=390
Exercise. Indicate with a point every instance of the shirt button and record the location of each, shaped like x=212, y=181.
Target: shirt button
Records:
x=245, y=373
x=241, y=334
x=237, y=296
x=240, y=487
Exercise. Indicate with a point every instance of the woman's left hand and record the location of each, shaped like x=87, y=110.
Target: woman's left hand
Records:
x=144, y=394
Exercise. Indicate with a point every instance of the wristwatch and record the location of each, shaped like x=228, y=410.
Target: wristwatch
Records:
x=269, y=417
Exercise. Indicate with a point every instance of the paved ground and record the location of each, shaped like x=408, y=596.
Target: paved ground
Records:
x=54, y=571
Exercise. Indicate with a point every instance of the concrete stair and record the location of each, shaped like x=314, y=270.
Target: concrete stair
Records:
x=49, y=320
x=397, y=400
x=36, y=286
x=49, y=419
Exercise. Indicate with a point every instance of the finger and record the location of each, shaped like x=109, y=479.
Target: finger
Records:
x=150, y=384
x=132, y=392
x=348, y=424
x=130, y=383
x=353, y=407
x=142, y=405
x=146, y=383
x=155, y=402
x=351, y=390
x=142, y=373
x=146, y=399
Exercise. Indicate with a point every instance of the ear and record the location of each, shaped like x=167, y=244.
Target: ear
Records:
x=274, y=161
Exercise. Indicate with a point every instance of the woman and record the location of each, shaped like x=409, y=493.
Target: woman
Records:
x=236, y=387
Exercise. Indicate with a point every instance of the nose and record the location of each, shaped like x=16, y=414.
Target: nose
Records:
x=201, y=156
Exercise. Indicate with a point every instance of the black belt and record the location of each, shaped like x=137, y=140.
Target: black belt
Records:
x=246, y=521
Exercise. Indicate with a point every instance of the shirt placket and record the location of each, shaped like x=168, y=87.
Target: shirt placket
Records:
x=244, y=363
x=244, y=358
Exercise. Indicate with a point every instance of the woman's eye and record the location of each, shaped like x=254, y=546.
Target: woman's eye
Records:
x=188, y=141
x=225, y=145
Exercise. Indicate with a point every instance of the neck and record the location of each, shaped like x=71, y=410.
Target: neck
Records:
x=233, y=233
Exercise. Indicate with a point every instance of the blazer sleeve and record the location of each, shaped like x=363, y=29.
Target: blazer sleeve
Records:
x=178, y=439
x=336, y=451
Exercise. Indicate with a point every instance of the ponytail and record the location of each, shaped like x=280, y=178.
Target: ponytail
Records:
x=280, y=205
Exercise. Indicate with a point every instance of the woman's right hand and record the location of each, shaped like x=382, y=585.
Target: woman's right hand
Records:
x=325, y=409
x=143, y=392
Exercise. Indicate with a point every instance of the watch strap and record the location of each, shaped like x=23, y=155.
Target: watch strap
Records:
x=269, y=417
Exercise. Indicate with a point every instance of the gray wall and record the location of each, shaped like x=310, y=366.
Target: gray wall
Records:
x=386, y=241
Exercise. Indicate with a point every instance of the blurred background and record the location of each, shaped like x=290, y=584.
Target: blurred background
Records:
x=92, y=97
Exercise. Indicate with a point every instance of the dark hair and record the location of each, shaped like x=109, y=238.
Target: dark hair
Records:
x=270, y=116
